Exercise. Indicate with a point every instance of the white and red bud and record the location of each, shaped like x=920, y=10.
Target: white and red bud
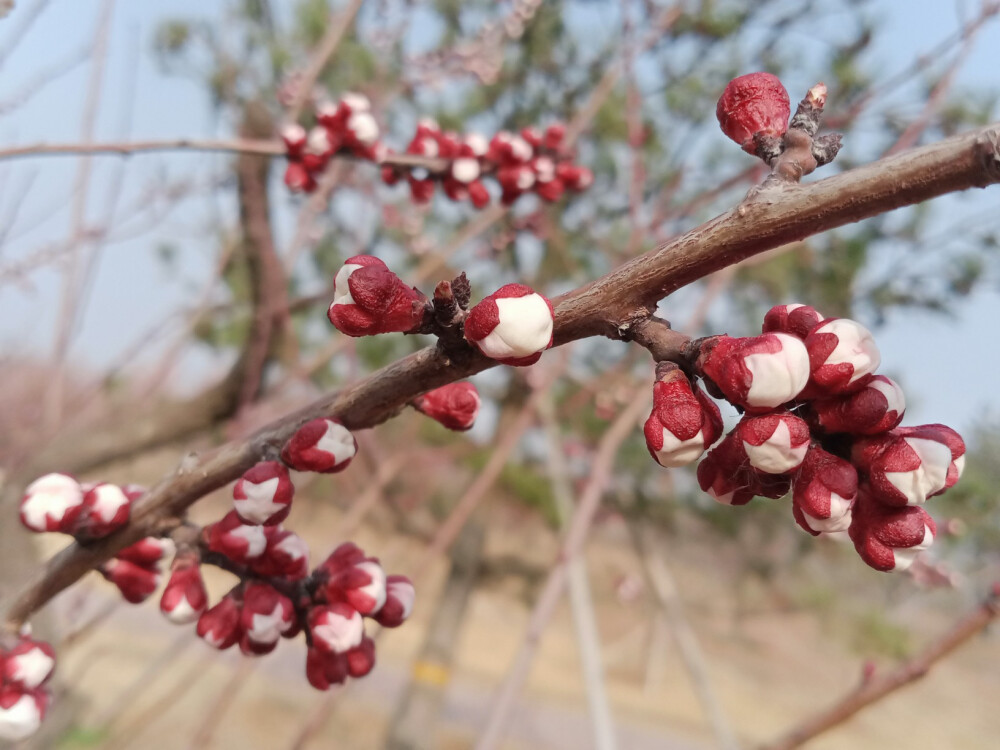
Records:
x=465, y=170
x=550, y=191
x=238, y=541
x=574, y=177
x=362, y=585
x=135, y=582
x=286, y=556
x=336, y=628
x=753, y=103
x=219, y=626
x=294, y=137
x=795, y=319
x=369, y=299
x=878, y=407
x=106, y=508
x=263, y=495
x=266, y=615
x=823, y=492
x=684, y=422
x=320, y=445
x=479, y=196
x=184, y=598
x=399, y=598
x=909, y=469
x=774, y=443
x=344, y=556
x=946, y=436
x=325, y=669
x=52, y=503
x=889, y=539
x=454, y=405
x=29, y=664
x=513, y=325
x=148, y=552
x=21, y=712
x=757, y=373
x=724, y=476
x=554, y=135
x=842, y=355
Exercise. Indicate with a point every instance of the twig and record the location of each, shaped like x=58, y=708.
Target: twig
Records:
x=661, y=581
x=606, y=307
x=584, y=619
x=338, y=25
x=555, y=584
x=877, y=688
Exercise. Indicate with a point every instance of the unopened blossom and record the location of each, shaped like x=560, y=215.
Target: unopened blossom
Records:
x=263, y=495
x=321, y=445
x=513, y=325
x=370, y=299
x=888, y=538
x=758, y=373
x=454, y=405
x=877, y=407
x=842, y=355
x=684, y=421
x=751, y=104
x=51, y=503
x=823, y=492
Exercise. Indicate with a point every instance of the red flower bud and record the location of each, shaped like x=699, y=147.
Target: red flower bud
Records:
x=286, y=556
x=29, y=664
x=336, y=628
x=219, y=626
x=889, y=539
x=147, y=552
x=266, y=615
x=513, y=325
x=184, y=598
x=842, y=355
x=238, y=541
x=134, y=582
x=684, y=422
x=361, y=658
x=369, y=299
x=362, y=585
x=478, y=194
x=454, y=405
x=321, y=445
x=263, y=495
x=52, y=503
x=878, y=407
x=909, y=469
x=325, y=669
x=947, y=437
x=757, y=373
x=399, y=597
x=774, y=443
x=106, y=508
x=795, y=319
x=298, y=179
x=824, y=491
x=21, y=712
x=753, y=103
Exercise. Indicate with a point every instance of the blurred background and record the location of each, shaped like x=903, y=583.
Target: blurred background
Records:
x=129, y=287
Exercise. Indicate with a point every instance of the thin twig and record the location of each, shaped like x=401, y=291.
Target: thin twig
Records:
x=555, y=584
x=877, y=688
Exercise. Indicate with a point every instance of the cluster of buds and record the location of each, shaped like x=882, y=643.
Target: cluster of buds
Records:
x=58, y=502
x=530, y=162
x=25, y=668
x=817, y=421
x=754, y=111
x=533, y=161
x=347, y=127
x=514, y=325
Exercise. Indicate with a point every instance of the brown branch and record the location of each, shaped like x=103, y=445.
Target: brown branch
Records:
x=609, y=306
x=336, y=29
x=874, y=690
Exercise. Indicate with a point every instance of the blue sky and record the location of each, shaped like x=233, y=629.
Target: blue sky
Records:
x=948, y=364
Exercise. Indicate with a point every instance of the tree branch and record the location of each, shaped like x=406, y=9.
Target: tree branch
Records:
x=874, y=690
x=607, y=307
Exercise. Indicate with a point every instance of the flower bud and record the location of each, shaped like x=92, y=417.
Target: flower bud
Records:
x=399, y=598
x=454, y=405
x=795, y=319
x=878, y=407
x=106, y=508
x=134, y=582
x=889, y=539
x=265, y=616
x=369, y=299
x=684, y=422
x=184, y=598
x=219, y=626
x=724, y=476
x=286, y=556
x=294, y=137
x=29, y=664
x=753, y=103
x=321, y=445
x=147, y=552
x=946, y=436
x=336, y=628
x=298, y=179
x=21, y=712
x=774, y=443
x=361, y=658
x=842, y=355
x=234, y=539
x=513, y=325
x=823, y=492
x=263, y=495
x=478, y=194
x=52, y=503
x=909, y=470
x=325, y=669
x=757, y=373
x=362, y=585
